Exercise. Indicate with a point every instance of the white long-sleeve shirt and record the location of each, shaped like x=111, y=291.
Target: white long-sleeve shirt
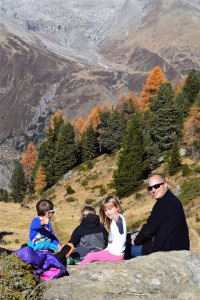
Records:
x=117, y=236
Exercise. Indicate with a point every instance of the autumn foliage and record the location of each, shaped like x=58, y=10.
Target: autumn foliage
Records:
x=153, y=82
x=191, y=129
x=40, y=181
x=57, y=118
x=29, y=159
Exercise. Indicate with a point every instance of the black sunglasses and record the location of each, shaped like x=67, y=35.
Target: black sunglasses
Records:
x=155, y=186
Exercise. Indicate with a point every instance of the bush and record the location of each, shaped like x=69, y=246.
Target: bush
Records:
x=70, y=190
x=190, y=190
x=139, y=196
x=197, y=217
x=17, y=281
x=89, y=201
x=102, y=191
x=84, y=182
x=186, y=170
x=70, y=199
x=90, y=164
x=197, y=169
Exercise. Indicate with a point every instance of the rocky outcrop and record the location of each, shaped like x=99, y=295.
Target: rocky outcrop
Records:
x=164, y=275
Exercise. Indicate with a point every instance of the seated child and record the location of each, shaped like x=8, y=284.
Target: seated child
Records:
x=42, y=237
x=90, y=235
x=110, y=212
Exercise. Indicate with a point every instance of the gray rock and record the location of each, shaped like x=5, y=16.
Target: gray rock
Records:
x=163, y=275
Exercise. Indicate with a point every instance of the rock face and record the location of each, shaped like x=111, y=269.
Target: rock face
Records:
x=164, y=275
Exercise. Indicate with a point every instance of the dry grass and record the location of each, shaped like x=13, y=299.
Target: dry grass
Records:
x=16, y=219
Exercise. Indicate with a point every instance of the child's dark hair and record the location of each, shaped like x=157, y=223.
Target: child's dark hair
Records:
x=87, y=210
x=43, y=206
x=109, y=201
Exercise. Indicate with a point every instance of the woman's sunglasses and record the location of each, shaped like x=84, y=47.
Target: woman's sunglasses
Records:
x=155, y=186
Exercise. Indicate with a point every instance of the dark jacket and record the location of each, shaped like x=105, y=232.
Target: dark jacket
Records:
x=166, y=228
x=90, y=234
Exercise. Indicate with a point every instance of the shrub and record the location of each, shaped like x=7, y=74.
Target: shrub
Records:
x=138, y=196
x=98, y=186
x=84, y=182
x=186, y=170
x=17, y=281
x=81, y=168
x=70, y=190
x=102, y=191
x=190, y=190
x=197, y=217
x=70, y=199
x=89, y=201
x=90, y=164
x=197, y=169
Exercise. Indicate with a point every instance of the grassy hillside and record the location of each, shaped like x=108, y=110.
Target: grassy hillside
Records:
x=90, y=186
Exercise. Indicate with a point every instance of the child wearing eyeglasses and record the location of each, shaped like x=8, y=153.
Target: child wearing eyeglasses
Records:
x=110, y=213
x=89, y=236
x=42, y=236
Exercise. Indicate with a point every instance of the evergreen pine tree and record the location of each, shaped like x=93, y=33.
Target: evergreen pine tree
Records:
x=18, y=183
x=166, y=125
x=175, y=159
x=113, y=131
x=129, y=174
x=47, y=149
x=89, y=145
x=152, y=152
x=181, y=104
x=192, y=87
x=46, y=157
x=66, y=150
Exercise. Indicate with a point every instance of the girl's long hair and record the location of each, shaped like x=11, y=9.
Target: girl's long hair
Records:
x=107, y=202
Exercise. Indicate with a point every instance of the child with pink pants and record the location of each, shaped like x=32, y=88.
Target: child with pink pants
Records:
x=110, y=214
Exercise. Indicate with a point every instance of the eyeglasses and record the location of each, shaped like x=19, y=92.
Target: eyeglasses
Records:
x=51, y=211
x=155, y=186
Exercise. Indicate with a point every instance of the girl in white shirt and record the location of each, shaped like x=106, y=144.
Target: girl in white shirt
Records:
x=110, y=214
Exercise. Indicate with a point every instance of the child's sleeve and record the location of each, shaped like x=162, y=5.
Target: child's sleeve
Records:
x=119, y=224
x=75, y=237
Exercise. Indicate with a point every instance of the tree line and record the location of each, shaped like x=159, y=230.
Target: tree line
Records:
x=143, y=129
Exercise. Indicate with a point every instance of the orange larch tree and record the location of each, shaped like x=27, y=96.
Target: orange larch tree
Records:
x=40, y=181
x=78, y=127
x=106, y=106
x=57, y=117
x=93, y=119
x=191, y=130
x=29, y=159
x=153, y=82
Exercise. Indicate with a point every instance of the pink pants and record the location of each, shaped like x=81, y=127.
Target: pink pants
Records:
x=100, y=256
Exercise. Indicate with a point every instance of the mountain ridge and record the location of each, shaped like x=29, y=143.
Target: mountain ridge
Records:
x=76, y=54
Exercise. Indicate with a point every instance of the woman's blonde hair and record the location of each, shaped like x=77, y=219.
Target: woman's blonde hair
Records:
x=109, y=201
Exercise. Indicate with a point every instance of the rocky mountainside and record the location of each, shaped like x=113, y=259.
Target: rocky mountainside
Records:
x=74, y=54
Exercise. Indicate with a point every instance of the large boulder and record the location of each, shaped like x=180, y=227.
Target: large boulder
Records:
x=162, y=275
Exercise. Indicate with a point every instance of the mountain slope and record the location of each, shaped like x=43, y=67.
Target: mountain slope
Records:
x=73, y=54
